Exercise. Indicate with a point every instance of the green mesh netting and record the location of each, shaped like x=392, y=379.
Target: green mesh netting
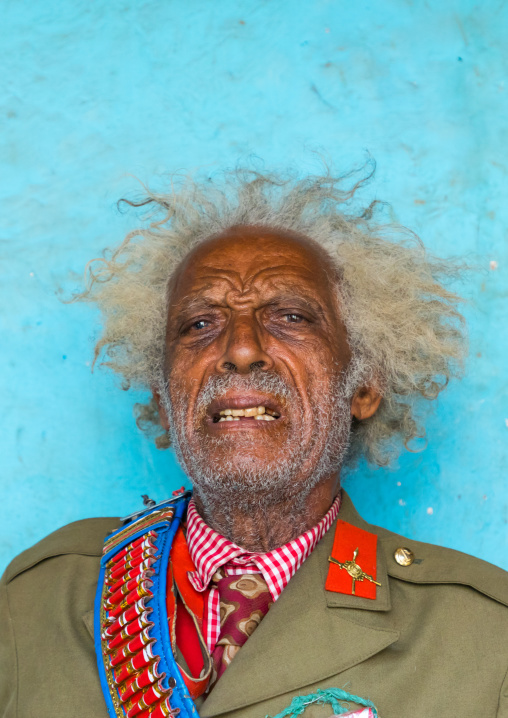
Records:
x=337, y=698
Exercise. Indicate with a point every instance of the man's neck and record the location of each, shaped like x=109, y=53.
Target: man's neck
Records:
x=260, y=526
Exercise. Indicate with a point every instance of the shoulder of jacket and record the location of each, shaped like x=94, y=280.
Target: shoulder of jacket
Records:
x=85, y=538
x=438, y=565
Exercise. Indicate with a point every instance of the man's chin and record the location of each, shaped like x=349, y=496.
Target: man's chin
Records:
x=238, y=469
x=241, y=477
x=243, y=449
x=247, y=433
x=244, y=468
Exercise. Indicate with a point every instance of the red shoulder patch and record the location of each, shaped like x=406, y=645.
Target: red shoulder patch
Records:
x=353, y=562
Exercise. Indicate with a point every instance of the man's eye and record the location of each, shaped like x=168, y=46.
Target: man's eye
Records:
x=200, y=324
x=293, y=318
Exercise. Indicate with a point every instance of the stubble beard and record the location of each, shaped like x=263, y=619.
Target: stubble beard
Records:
x=239, y=480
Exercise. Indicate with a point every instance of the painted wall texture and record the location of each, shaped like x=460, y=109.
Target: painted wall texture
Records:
x=93, y=93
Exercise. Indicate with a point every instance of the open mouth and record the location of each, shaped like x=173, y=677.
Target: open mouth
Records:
x=253, y=409
x=251, y=413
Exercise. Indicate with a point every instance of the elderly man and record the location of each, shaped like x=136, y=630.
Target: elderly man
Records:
x=281, y=339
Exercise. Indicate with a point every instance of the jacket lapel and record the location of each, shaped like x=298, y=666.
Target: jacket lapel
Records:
x=305, y=638
x=88, y=621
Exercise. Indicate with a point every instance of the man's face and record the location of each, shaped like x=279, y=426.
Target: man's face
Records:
x=255, y=360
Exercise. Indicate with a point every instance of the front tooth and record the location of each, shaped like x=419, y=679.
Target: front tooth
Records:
x=267, y=417
x=222, y=413
x=235, y=418
x=237, y=412
x=261, y=410
x=226, y=412
x=229, y=418
x=251, y=412
x=223, y=418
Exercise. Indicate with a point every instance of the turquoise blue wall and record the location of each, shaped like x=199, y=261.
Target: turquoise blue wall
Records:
x=93, y=91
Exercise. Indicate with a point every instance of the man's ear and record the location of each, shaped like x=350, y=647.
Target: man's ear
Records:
x=365, y=402
x=162, y=411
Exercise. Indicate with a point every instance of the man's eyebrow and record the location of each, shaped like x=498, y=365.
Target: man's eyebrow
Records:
x=191, y=304
x=297, y=297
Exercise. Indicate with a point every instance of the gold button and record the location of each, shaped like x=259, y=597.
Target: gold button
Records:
x=404, y=556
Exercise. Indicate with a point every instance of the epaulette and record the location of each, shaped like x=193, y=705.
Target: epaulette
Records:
x=85, y=537
x=423, y=563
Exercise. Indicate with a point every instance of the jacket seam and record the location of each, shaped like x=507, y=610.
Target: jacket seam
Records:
x=505, y=679
x=16, y=658
x=450, y=582
x=36, y=562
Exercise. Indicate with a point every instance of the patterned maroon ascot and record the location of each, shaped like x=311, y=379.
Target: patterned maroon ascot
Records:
x=244, y=601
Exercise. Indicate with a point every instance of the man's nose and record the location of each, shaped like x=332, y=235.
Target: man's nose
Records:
x=244, y=350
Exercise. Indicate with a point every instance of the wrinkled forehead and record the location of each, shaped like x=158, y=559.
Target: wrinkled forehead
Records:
x=259, y=255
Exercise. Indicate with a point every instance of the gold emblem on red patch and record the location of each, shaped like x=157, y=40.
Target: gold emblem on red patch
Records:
x=354, y=570
x=347, y=575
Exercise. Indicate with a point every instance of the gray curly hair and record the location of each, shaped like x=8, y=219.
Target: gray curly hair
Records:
x=403, y=325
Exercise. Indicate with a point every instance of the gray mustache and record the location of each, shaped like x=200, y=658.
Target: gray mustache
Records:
x=259, y=380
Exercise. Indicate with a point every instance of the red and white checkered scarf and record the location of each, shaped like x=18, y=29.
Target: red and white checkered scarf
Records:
x=210, y=551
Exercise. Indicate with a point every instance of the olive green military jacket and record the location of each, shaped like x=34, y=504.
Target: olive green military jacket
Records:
x=434, y=642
